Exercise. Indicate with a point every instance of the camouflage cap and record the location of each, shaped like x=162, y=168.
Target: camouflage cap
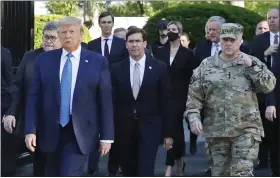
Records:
x=231, y=30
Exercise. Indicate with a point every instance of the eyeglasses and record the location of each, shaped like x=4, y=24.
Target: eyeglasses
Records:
x=47, y=38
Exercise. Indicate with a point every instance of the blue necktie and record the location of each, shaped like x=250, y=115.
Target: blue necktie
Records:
x=65, y=91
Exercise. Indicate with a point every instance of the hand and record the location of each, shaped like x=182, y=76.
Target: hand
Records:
x=272, y=49
x=104, y=148
x=244, y=59
x=30, y=142
x=270, y=113
x=168, y=142
x=196, y=127
x=9, y=122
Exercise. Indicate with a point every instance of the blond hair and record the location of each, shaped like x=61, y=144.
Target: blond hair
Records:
x=71, y=21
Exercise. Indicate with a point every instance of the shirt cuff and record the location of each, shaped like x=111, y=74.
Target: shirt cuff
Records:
x=107, y=141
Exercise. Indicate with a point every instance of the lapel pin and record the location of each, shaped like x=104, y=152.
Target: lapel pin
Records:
x=86, y=60
x=150, y=67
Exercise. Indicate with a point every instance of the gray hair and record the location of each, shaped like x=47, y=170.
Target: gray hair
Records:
x=117, y=30
x=70, y=21
x=219, y=19
x=178, y=24
x=51, y=25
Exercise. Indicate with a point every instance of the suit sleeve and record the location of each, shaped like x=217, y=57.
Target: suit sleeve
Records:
x=105, y=98
x=164, y=101
x=17, y=88
x=255, y=49
x=8, y=67
x=33, y=100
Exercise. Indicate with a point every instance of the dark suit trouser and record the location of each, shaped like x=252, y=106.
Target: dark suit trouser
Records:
x=9, y=149
x=39, y=163
x=274, y=141
x=114, y=160
x=67, y=160
x=264, y=145
x=138, y=155
x=93, y=159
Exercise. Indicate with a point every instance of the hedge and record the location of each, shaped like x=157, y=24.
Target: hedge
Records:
x=40, y=21
x=193, y=17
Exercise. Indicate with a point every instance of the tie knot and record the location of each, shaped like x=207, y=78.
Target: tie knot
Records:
x=106, y=39
x=69, y=55
x=137, y=64
x=217, y=45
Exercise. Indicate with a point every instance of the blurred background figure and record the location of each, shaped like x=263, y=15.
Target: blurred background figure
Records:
x=185, y=40
x=262, y=27
x=120, y=33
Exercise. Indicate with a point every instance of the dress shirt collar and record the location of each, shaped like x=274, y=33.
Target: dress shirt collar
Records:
x=273, y=34
x=76, y=54
x=109, y=37
x=141, y=61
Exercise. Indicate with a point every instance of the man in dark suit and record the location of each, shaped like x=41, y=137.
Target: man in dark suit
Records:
x=19, y=91
x=264, y=47
x=141, y=95
x=272, y=103
x=67, y=85
x=113, y=48
x=9, y=142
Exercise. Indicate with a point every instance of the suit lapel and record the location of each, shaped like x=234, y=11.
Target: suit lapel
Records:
x=177, y=56
x=98, y=47
x=209, y=48
x=114, y=45
x=56, y=66
x=147, y=74
x=81, y=74
x=126, y=77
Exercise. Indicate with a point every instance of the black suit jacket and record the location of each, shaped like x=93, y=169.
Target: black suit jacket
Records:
x=259, y=45
x=203, y=49
x=6, y=77
x=84, y=45
x=273, y=98
x=151, y=105
x=118, y=50
x=20, y=86
x=180, y=72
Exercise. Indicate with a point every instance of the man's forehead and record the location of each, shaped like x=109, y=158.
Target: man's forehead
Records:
x=106, y=19
x=135, y=36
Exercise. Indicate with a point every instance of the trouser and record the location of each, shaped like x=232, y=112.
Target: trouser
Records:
x=233, y=156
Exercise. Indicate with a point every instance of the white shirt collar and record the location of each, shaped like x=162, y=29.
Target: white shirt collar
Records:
x=273, y=34
x=76, y=54
x=141, y=61
x=109, y=37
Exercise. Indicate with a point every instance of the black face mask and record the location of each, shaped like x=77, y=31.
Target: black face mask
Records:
x=163, y=35
x=172, y=36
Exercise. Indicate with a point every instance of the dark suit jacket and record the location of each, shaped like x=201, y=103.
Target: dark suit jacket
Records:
x=203, y=49
x=179, y=73
x=151, y=104
x=6, y=77
x=259, y=45
x=273, y=98
x=20, y=86
x=84, y=45
x=43, y=102
x=118, y=50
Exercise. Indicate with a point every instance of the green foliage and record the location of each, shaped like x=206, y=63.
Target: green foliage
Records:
x=40, y=21
x=261, y=7
x=66, y=8
x=194, y=16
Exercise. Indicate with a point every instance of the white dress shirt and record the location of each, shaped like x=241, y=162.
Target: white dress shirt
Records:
x=109, y=42
x=272, y=42
x=171, y=60
x=141, y=62
x=75, y=60
x=213, y=48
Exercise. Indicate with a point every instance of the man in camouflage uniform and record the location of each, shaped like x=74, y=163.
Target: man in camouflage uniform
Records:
x=225, y=86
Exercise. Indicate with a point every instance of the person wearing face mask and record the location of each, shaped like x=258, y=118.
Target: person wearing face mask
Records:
x=180, y=64
x=162, y=36
x=14, y=119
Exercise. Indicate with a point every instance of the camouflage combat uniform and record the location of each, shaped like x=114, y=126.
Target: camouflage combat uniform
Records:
x=232, y=126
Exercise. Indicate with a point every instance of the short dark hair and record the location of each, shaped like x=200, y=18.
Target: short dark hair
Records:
x=130, y=27
x=105, y=14
x=136, y=30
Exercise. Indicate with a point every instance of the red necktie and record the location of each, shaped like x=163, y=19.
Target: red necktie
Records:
x=106, y=48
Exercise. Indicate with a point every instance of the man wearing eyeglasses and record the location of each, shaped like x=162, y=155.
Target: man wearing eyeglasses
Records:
x=14, y=119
